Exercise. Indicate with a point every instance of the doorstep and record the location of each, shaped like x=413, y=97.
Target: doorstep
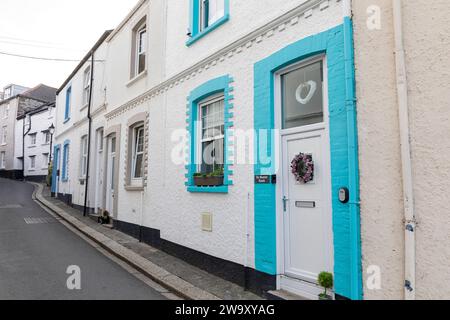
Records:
x=175, y=274
x=284, y=295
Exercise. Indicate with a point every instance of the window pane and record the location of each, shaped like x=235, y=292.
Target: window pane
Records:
x=142, y=36
x=302, y=96
x=138, y=166
x=216, y=10
x=113, y=145
x=212, y=151
x=139, y=140
x=141, y=63
x=219, y=154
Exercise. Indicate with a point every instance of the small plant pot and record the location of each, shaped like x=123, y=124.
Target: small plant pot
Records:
x=208, y=181
x=323, y=297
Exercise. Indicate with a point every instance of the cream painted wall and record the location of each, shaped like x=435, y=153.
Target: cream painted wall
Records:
x=427, y=43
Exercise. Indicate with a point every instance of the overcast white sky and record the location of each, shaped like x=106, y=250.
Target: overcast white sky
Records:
x=65, y=29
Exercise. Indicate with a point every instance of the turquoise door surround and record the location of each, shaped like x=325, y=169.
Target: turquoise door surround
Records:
x=56, y=155
x=65, y=161
x=337, y=45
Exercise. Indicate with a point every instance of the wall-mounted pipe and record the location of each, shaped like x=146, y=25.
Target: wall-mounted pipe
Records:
x=86, y=187
x=26, y=117
x=408, y=192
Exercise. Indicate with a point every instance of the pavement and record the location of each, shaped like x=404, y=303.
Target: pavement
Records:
x=176, y=275
x=37, y=249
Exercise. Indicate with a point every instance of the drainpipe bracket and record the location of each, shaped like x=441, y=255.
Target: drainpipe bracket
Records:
x=408, y=286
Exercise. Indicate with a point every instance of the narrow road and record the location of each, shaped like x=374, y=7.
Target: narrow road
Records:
x=35, y=254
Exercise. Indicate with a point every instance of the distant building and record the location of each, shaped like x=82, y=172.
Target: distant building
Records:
x=38, y=141
x=17, y=105
x=12, y=90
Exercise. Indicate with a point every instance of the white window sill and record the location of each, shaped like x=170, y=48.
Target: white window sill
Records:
x=135, y=185
x=32, y=146
x=140, y=76
x=84, y=107
x=134, y=188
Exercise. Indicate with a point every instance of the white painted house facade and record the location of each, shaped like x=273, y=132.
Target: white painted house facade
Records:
x=230, y=92
x=74, y=103
x=33, y=128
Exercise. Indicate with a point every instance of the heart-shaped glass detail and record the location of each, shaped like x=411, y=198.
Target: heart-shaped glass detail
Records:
x=312, y=88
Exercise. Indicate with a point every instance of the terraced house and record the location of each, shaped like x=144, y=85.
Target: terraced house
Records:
x=188, y=124
x=20, y=101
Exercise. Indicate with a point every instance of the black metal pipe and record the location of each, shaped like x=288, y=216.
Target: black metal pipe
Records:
x=51, y=145
x=23, y=144
x=89, y=136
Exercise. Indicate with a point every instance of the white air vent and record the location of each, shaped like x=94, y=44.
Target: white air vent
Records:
x=207, y=222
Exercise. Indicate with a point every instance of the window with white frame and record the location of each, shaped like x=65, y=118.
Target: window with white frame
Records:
x=7, y=93
x=139, y=49
x=45, y=159
x=4, y=134
x=47, y=137
x=210, y=12
x=6, y=111
x=137, y=168
x=2, y=160
x=84, y=156
x=86, y=85
x=212, y=133
x=33, y=139
x=32, y=162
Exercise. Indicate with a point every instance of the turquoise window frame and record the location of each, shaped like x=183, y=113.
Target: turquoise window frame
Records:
x=68, y=103
x=337, y=44
x=194, y=10
x=65, y=155
x=208, y=89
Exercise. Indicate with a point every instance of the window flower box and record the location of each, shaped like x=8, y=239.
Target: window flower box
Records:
x=205, y=181
x=213, y=179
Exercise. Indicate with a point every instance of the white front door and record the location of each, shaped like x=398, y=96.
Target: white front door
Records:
x=110, y=186
x=305, y=223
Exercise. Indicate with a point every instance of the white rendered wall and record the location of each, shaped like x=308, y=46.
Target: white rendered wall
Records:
x=77, y=127
x=39, y=123
x=168, y=205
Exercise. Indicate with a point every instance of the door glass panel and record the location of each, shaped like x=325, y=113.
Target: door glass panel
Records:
x=302, y=96
x=113, y=169
x=113, y=145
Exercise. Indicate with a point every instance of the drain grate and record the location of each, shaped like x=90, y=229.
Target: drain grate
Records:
x=39, y=220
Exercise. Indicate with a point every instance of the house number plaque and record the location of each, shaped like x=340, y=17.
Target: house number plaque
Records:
x=266, y=179
x=263, y=179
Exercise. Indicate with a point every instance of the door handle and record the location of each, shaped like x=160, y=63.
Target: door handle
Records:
x=285, y=200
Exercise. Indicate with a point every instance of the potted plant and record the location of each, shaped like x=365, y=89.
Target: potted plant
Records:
x=212, y=179
x=325, y=280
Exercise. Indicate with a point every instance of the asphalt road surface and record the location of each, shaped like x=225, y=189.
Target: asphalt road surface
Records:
x=36, y=251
